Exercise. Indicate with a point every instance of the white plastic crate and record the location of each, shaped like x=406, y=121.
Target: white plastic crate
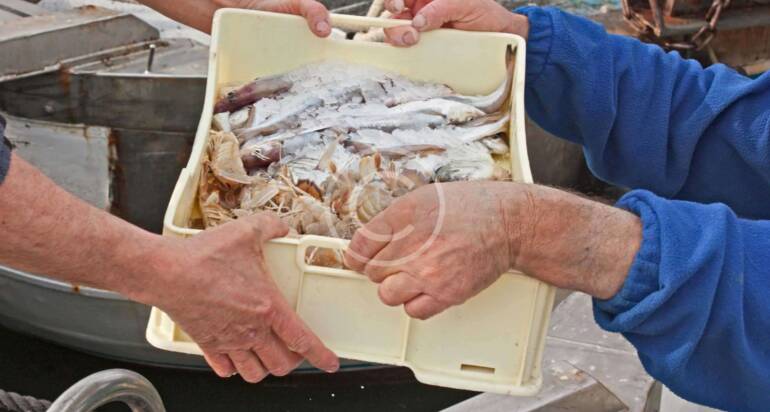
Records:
x=494, y=342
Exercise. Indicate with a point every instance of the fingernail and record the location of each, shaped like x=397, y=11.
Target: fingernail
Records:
x=398, y=6
x=232, y=374
x=419, y=21
x=322, y=27
x=409, y=38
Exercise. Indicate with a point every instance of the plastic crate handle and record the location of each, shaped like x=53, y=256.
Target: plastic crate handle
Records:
x=323, y=242
x=358, y=23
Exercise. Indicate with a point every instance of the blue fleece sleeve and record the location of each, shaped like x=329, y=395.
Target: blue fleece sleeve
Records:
x=695, y=302
x=649, y=119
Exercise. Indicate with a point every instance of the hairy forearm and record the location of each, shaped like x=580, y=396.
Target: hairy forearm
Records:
x=45, y=230
x=573, y=242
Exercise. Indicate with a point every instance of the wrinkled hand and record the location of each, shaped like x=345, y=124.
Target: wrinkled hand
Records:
x=439, y=245
x=471, y=15
x=314, y=12
x=226, y=300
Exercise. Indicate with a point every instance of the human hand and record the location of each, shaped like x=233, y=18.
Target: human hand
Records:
x=440, y=245
x=314, y=12
x=222, y=295
x=471, y=15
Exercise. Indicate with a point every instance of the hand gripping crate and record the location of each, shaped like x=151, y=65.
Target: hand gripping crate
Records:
x=492, y=343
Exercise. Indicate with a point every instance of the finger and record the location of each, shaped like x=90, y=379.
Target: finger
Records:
x=301, y=340
x=437, y=14
x=379, y=268
x=404, y=15
x=398, y=289
x=395, y=6
x=367, y=242
x=400, y=6
x=248, y=365
x=402, y=36
x=424, y=307
x=276, y=357
x=268, y=225
x=388, y=262
x=316, y=15
x=220, y=363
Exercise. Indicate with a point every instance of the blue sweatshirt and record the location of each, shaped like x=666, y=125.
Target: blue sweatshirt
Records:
x=695, y=143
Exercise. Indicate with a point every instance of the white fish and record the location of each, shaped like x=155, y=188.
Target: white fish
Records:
x=496, y=145
x=455, y=112
x=221, y=122
x=439, y=137
x=286, y=119
x=240, y=118
x=467, y=162
x=394, y=121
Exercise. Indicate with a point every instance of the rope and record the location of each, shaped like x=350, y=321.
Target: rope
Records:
x=13, y=402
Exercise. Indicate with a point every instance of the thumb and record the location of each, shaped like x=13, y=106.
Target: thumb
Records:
x=438, y=13
x=268, y=225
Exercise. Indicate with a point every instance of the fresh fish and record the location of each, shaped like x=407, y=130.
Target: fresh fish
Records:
x=221, y=122
x=240, y=118
x=295, y=142
x=424, y=166
x=259, y=155
x=467, y=162
x=306, y=164
x=373, y=92
x=493, y=102
x=496, y=145
x=340, y=143
x=454, y=112
x=225, y=160
x=369, y=200
x=392, y=121
x=255, y=197
x=401, y=90
x=443, y=137
x=263, y=110
x=250, y=93
x=286, y=119
x=395, y=152
x=214, y=214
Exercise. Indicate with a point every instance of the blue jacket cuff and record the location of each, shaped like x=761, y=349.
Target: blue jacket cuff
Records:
x=540, y=39
x=643, y=278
